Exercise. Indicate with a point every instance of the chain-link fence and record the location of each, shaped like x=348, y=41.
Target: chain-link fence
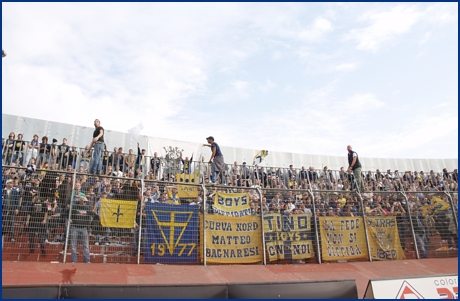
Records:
x=47, y=213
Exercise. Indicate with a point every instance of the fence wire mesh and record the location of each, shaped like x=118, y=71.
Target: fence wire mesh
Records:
x=140, y=214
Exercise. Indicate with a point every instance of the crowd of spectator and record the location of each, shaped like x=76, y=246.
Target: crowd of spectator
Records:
x=37, y=173
x=43, y=155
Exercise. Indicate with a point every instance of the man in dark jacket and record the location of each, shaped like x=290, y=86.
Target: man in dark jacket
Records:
x=80, y=219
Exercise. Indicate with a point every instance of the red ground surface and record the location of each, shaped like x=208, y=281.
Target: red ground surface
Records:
x=32, y=272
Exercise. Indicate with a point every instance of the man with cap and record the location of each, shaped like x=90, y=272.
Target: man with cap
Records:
x=217, y=160
x=80, y=219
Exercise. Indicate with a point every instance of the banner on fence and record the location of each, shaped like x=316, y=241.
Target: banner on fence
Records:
x=118, y=213
x=232, y=204
x=233, y=240
x=186, y=178
x=384, y=238
x=288, y=236
x=342, y=238
x=171, y=233
x=186, y=191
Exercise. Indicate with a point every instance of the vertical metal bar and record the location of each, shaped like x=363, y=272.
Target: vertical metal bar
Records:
x=365, y=224
x=454, y=213
x=74, y=178
x=262, y=226
x=411, y=225
x=318, y=250
x=205, y=199
x=140, y=224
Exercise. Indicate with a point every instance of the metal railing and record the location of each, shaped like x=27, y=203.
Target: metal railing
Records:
x=73, y=216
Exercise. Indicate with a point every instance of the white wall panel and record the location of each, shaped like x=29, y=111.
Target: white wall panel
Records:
x=81, y=135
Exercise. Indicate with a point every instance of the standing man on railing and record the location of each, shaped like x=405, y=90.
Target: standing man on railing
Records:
x=98, y=142
x=217, y=160
x=355, y=166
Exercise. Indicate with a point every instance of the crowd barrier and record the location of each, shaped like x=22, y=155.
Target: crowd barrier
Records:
x=53, y=215
x=135, y=164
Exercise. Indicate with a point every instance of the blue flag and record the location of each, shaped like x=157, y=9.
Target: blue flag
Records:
x=172, y=233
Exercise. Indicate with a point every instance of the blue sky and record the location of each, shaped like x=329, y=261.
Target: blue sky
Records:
x=298, y=77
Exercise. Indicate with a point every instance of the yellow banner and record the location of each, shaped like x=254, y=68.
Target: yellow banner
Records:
x=426, y=210
x=233, y=240
x=384, y=238
x=186, y=178
x=439, y=204
x=186, y=191
x=342, y=238
x=118, y=213
x=288, y=236
x=232, y=204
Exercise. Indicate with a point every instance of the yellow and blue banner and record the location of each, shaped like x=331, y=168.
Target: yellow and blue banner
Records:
x=342, y=238
x=171, y=233
x=233, y=239
x=384, y=238
x=288, y=236
x=439, y=204
x=232, y=204
x=118, y=213
x=260, y=156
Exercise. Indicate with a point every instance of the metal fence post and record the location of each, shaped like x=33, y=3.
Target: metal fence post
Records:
x=365, y=225
x=140, y=224
x=205, y=199
x=454, y=213
x=262, y=226
x=411, y=225
x=66, y=244
x=318, y=250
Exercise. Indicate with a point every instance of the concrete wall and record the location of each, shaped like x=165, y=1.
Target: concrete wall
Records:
x=81, y=135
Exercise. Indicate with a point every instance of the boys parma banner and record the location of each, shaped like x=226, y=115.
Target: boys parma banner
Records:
x=384, y=238
x=171, y=233
x=233, y=239
x=288, y=236
x=118, y=213
x=232, y=204
x=342, y=238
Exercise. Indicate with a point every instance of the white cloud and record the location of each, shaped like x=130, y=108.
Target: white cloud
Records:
x=276, y=55
x=365, y=101
x=442, y=13
x=385, y=26
x=174, y=66
x=345, y=67
x=426, y=38
x=267, y=86
x=317, y=30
